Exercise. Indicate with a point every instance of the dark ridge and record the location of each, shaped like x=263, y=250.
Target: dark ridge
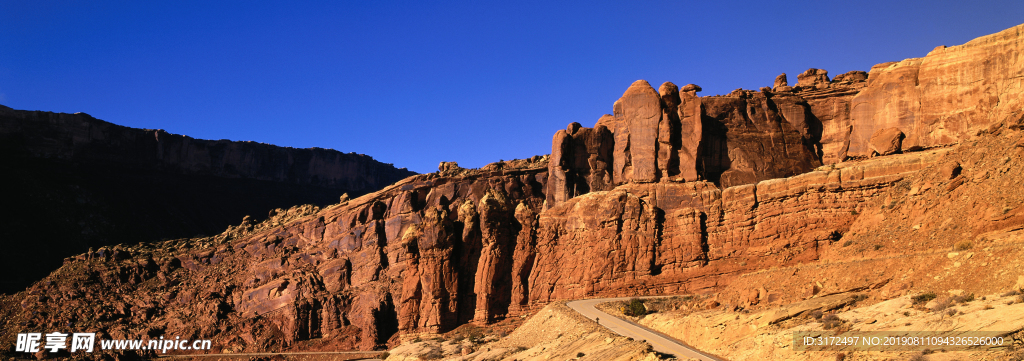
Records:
x=72, y=182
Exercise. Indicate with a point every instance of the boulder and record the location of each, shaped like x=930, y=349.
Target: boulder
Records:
x=781, y=81
x=813, y=78
x=887, y=141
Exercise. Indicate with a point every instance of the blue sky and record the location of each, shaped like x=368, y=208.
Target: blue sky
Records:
x=416, y=83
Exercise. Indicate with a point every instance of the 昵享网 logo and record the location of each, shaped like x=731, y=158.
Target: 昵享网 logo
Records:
x=54, y=342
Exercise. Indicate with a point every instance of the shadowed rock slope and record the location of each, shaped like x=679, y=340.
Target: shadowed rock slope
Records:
x=673, y=193
x=73, y=182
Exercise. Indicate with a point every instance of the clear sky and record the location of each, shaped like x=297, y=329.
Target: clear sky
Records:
x=416, y=83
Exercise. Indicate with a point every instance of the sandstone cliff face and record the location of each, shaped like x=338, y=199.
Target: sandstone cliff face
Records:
x=76, y=182
x=747, y=136
x=433, y=252
x=945, y=96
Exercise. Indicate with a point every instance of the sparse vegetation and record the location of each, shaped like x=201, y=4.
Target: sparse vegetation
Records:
x=470, y=332
x=847, y=243
x=675, y=303
x=964, y=298
x=963, y=246
x=833, y=322
x=634, y=307
x=923, y=298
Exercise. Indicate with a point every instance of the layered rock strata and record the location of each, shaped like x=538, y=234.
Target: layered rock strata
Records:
x=749, y=136
x=433, y=252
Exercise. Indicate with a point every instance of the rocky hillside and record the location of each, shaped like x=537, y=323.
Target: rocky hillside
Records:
x=953, y=230
x=673, y=193
x=74, y=182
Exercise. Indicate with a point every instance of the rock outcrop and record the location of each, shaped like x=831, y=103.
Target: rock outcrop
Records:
x=887, y=141
x=948, y=95
x=432, y=252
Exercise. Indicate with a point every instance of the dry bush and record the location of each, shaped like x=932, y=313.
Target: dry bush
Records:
x=670, y=303
x=963, y=246
x=831, y=321
x=923, y=298
x=634, y=307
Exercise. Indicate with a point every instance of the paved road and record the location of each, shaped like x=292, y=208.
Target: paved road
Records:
x=661, y=342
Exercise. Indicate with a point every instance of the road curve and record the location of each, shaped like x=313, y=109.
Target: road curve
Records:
x=660, y=342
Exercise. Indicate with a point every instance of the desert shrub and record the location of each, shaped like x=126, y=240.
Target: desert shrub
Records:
x=832, y=321
x=847, y=243
x=816, y=314
x=964, y=298
x=963, y=246
x=923, y=298
x=634, y=307
x=859, y=297
x=1011, y=293
x=471, y=333
x=951, y=312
